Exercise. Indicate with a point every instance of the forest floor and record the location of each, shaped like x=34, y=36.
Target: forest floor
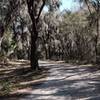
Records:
x=57, y=81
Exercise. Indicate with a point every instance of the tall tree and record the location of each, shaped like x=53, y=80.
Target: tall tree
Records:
x=35, y=8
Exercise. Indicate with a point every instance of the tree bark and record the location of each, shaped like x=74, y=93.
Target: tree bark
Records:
x=34, y=57
x=97, y=37
x=34, y=37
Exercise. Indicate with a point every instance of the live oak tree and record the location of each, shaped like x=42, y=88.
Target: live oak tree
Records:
x=35, y=8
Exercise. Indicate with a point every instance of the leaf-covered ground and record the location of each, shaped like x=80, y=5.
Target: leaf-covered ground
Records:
x=58, y=81
x=13, y=73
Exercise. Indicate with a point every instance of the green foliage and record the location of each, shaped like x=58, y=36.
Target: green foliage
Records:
x=5, y=87
x=8, y=45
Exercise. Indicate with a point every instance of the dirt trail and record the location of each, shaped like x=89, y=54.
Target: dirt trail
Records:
x=64, y=82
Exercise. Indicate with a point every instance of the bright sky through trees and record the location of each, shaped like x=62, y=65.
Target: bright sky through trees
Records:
x=69, y=5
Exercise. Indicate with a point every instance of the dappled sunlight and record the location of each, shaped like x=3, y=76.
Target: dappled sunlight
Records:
x=19, y=76
x=63, y=82
x=33, y=82
x=74, y=83
x=49, y=50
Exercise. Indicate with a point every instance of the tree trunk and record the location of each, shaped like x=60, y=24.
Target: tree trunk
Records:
x=34, y=55
x=96, y=46
x=49, y=52
x=46, y=53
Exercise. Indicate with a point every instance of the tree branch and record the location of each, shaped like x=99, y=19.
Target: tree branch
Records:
x=37, y=19
x=88, y=7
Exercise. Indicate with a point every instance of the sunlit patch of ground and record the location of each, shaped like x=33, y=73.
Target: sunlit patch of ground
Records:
x=16, y=75
x=61, y=81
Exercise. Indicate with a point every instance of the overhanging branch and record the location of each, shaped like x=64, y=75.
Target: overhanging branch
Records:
x=37, y=19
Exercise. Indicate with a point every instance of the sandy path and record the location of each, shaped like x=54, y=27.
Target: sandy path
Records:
x=64, y=82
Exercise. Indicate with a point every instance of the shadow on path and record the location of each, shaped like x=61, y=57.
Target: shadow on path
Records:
x=64, y=82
